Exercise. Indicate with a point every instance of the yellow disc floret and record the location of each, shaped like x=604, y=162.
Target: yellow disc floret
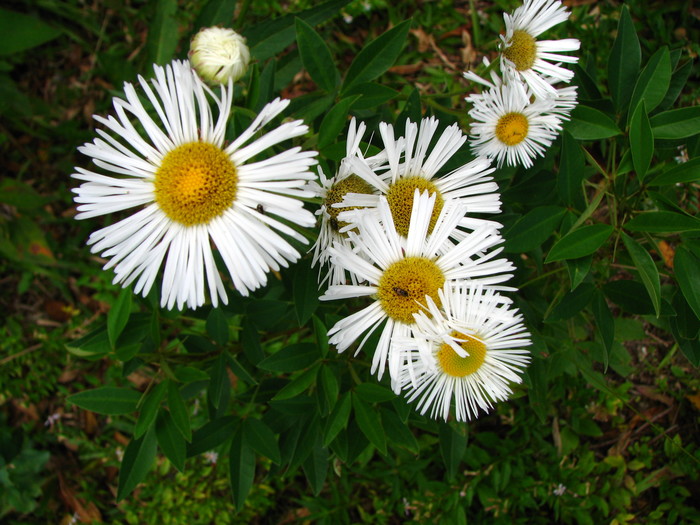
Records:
x=522, y=50
x=336, y=194
x=511, y=128
x=405, y=284
x=195, y=183
x=453, y=365
x=400, y=200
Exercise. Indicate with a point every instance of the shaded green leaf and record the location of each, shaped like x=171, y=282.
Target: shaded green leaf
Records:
x=299, y=384
x=216, y=12
x=679, y=78
x=329, y=389
x=292, y=358
x=137, y=461
x=241, y=468
x=170, y=440
x=686, y=268
x=316, y=467
x=149, y=409
x=605, y=323
x=370, y=423
x=662, y=221
x=163, y=33
x=629, y=295
x=94, y=344
x=261, y=439
x=676, y=123
x=572, y=303
x=532, y=229
x=571, y=171
x=590, y=124
x=305, y=291
x=453, y=445
x=624, y=61
x=20, y=31
x=316, y=57
x=178, y=411
x=654, y=80
x=372, y=95
x=397, y=432
x=211, y=435
x=374, y=393
x=578, y=269
x=219, y=383
x=641, y=141
x=580, y=242
x=647, y=270
x=107, y=400
x=338, y=419
x=217, y=326
x=682, y=173
x=333, y=123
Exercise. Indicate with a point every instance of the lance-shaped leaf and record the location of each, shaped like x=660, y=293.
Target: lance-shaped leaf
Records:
x=532, y=229
x=647, y=270
x=676, y=123
x=653, y=82
x=118, y=315
x=137, y=461
x=370, y=423
x=170, y=440
x=590, y=124
x=241, y=468
x=624, y=61
x=686, y=268
x=641, y=141
x=662, y=221
x=316, y=57
x=580, y=242
x=108, y=400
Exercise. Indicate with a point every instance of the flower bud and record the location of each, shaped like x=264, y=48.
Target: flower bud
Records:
x=219, y=55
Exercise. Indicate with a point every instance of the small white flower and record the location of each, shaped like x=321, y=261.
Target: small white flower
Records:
x=560, y=490
x=52, y=419
x=469, y=349
x=400, y=272
x=219, y=55
x=211, y=456
x=526, y=58
x=191, y=190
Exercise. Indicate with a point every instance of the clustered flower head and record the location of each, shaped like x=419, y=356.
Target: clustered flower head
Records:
x=219, y=55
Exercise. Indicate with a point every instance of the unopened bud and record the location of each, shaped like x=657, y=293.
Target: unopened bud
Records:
x=219, y=55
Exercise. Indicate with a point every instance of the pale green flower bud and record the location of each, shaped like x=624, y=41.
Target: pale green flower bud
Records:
x=219, y=55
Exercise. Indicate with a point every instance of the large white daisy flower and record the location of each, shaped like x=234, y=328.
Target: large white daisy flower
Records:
x=400, y=272
x=332, y=191
x=191, y=189
x=414, y=165
x=469, y=349
x=507, y=126
x=525, y=57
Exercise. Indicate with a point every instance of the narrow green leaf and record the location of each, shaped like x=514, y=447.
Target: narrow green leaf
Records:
x=571, y=172
x=211, y=435
x=662, y=221
x=624, y=61
x=647, y=270
x=377, y=56
x=316, y=467
x=653, y=82
x=241, y=468
x=262, y=439
x=682, y=173
x=219, y=383
x=329, y=389
x=676, y=123
x=532, y=229
x=321, y=333
x=579, y=243
x=372, y=95
x=190, y=374
x=216, y=12
x=578, y=270
x=605, y=323
x=292, y=358
x=217, y=326
x=397, y=432
x=316, y=57
x=178, y=411
x=412, y=111
x=170, y=440
x=299, y=384
x=107, y=400
x=118, y=315
x=679, y=79
x=149, y=409
x=629, y=295
x=338, y=419
x=572, y=303
x=334, y=122
x=20, y=31
x=250, y=340
x=686, y=268
x=590, y=124
x=641, y=141
x=92, y=345
x=370, y=423
x=374, y=393
x=453, y=445
x=685, y=327
x=305, y=291
x=239, y=370
x=137, y=461
x=163, y=33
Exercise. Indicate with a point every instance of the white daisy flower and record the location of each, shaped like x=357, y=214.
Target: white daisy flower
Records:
x=525, y=57
x=414, y=165
x=469, y=349
x=506, y=126
x=400, y=272
x=332, y=191
x=191, y=189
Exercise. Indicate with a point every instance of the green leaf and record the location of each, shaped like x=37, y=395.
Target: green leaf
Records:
x=241, y=468
x=334, y=122
x=647, y=270
x=305, y=291
x=453, y=445
x=590, y=124
x=641, y=141
x=299, y=384
x=662, y=221
x=377, y=56
x=321, y=334
x=397, y=432
x=329, y=389
x=216, y=12
x=629, y=295
x=316, y=467
x=372, y=95
x=190, y=374
x=572, y=303
x=338, y=419
x=571, y=172
x=170, y=440
x=93, y=344
x=682, y=173
x=219, y=384
x=685, y=327
x=20, y=195
x=316, y=57
x=178, y=411
x=412, y=111
x=20, y=32
x=262, y=439
x=532, y=229
x=374, y=393
x=137, y=461
x=686, y=268
x=624, y=61
x=107, y=400
x=678, y=81
x=163, y=33
x=292, y=358
x=211, y=435
x=217, y=326
x=578, y=269
x=579, y=243
x=370, y=423
x=654, y=80
x=605, y=323
x=149, y=409
x=239, y=370
x=250, y=340
x=676, y=123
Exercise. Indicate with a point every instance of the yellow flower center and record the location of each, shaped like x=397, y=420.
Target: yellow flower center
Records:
x=195, y=183
x=405, y=284
x=522, y=50
x=336, y=194
x=400, y=199
x=511, y=128
x=453, y=365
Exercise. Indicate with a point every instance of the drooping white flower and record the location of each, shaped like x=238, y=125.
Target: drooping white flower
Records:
x=466, y=351
x=526, y=58
x=219, y=55
x=189, y=190
x=400, y=272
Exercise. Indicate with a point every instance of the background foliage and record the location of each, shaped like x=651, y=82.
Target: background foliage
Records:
x=244, y=414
